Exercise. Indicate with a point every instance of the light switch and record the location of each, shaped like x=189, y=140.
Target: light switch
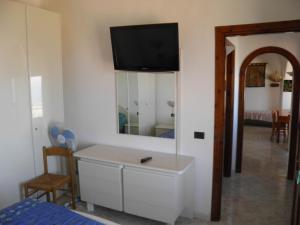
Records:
x=199, y=135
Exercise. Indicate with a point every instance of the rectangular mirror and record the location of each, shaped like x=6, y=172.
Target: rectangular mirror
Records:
x=146, y=103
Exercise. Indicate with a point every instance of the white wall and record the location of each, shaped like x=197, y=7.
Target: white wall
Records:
x=30, y=2
x=286, y=103
x=89, y=85
x=266, y=98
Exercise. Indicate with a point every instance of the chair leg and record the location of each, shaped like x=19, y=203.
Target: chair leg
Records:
x=73, y=193
x=48, y=197
x=54, y=196
x=272, y=134
x=26, y=191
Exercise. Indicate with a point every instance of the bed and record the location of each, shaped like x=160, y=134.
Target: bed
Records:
x=35, y=212
x=258, y=118
x=168, y=134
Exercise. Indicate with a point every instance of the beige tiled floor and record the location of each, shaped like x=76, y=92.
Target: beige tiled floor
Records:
x=260, y=195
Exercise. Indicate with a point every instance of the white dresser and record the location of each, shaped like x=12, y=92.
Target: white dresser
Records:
x=161, y=189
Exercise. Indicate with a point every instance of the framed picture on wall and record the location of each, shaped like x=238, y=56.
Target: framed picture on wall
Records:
x=287, y=85
x=256, y=75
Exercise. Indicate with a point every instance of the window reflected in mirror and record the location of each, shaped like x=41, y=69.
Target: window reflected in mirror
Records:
x=146, y=103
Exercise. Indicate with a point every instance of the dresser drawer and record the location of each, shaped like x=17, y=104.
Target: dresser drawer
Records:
x=101, y=184
x=151, y=194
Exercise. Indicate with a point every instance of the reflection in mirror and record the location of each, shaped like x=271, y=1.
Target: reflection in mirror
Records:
x=146, y=103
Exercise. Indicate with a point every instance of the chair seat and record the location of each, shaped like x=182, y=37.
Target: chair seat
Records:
x=48, y=182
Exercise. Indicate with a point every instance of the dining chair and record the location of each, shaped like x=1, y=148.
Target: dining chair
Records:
x=51, y=183
x=283, y=126
x=275, y=114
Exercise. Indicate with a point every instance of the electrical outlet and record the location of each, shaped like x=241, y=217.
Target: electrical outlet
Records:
x=199, y=135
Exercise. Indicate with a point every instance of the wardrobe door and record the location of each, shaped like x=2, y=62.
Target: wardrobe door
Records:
x=16, y=155
x=45, y=70
x=146, y=99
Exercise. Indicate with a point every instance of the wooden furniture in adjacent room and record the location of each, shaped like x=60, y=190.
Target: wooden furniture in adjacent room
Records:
x=51, y=183
x=160, y=189
x=280, y=124
x=283, y=126
x=274, y=123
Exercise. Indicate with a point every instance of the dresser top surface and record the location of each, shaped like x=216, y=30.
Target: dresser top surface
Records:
x=131, y=157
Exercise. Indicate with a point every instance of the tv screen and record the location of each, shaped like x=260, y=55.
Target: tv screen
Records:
x=152, y=47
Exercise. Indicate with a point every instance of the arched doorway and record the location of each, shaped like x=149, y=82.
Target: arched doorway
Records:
x=294, y=112
x=221, y=33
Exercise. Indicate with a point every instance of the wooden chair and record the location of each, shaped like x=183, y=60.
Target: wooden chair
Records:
x=51, y=183
x=283, y=126
x=275, y=114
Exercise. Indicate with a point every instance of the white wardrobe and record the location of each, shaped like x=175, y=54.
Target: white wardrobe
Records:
x=31, y=93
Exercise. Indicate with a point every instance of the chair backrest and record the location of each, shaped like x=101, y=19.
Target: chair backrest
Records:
x=275, y=114
x=284, y=119
x=62, y=152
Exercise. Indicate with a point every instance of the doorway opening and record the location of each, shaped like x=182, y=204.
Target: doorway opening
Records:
x=250, y=29
x=241, y=111
x=263, y=182
x=229, y=107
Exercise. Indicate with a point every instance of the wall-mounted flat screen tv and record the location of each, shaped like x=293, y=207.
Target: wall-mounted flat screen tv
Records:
x=153, y=47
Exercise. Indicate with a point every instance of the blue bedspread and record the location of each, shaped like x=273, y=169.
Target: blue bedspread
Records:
x=168, y=134
x=34, y=212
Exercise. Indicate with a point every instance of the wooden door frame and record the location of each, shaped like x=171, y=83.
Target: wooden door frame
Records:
x=229, y=105
x=221, y=33
x=295, y=109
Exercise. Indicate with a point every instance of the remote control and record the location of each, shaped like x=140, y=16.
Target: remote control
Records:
x=146, y=159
